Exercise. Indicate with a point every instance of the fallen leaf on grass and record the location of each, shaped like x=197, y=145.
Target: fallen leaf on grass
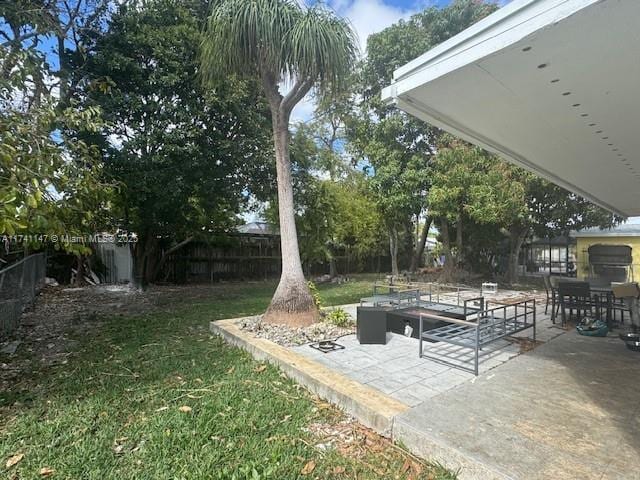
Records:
x=162, y=409
x=260, y=368
x=308, y=468
x=338, y=470
x=231, y=370
x=47, y=472
x=14, y=459
x=185, y=409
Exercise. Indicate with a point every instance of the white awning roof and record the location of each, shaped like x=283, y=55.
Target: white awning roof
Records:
x=551, y=85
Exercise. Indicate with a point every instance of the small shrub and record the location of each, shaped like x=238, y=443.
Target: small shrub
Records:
x=339, y=318
x=315, y=294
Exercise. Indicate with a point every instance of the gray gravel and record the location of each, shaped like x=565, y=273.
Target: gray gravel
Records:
x=287, y=336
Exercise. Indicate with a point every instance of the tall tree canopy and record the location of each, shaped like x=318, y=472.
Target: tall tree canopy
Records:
x=399, y=147
x=51, y=184
x=280, y=41
x=474, y=190
x=185, y=156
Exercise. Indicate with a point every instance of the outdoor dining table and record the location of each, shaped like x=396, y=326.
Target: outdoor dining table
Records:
x=599, y=291
x=604, y=292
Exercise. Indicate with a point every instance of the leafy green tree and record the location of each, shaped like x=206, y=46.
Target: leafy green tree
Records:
x=398, y=170
x=396, y=145
x=280, y=41
x=51, y=183
x=51, y=31
x=358, y=225
x=185, y=156
x=478, y=190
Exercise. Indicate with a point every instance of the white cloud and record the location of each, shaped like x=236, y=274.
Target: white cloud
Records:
x=369, y=16
x=366, y=17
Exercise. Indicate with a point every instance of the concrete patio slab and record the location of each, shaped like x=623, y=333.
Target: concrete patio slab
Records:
x=568, y=410
x=395, y=369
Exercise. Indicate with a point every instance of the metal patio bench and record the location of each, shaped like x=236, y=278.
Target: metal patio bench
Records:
x=395, y=298
x=489, y=326
x=402, y=306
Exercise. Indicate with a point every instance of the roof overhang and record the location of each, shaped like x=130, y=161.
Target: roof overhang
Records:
x=550, y=85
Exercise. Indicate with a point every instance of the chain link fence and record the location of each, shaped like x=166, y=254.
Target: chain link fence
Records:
x=19, y=285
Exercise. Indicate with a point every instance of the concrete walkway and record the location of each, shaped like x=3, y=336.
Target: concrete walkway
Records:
x=568, y=410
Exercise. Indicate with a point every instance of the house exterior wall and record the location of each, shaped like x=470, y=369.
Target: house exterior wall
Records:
x=583, y=255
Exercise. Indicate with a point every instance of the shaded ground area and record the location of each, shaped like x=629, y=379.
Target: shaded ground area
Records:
x=569, y=409
x=134, y=386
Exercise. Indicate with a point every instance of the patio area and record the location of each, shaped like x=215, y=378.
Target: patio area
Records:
x=566, y=409
x=395, y=369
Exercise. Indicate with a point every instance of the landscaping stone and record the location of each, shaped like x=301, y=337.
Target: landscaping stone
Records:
x=287, y=336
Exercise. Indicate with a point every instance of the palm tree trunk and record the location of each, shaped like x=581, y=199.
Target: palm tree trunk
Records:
x=292, y=303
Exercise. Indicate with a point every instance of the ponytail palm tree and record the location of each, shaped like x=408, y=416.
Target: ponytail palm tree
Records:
x=281, y=43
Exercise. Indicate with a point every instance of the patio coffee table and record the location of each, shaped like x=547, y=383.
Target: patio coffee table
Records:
x=490, y=325
x=402, y=306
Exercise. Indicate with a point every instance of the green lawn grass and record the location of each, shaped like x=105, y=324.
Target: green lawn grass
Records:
x=114, y=411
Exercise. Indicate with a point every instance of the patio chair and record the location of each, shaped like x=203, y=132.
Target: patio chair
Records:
x=554, y=281
x=575, y=296
x=619, y=305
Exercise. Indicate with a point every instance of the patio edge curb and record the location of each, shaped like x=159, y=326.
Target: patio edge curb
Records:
x=372, y=408
x=424, y=445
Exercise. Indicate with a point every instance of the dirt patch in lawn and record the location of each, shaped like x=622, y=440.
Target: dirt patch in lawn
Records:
x=366, y=448
x=46, y=332
x=45, y=336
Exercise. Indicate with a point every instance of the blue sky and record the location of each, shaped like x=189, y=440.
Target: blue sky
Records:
x=367, y=17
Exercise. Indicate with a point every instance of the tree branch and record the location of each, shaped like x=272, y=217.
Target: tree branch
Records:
x=178, y=246
x=18, y=40
x=297, y=93
x=165, y=255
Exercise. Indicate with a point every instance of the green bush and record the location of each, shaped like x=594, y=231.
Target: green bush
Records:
x=315, y=294
x=339, y=318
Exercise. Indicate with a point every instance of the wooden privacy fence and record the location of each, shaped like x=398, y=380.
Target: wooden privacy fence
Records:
x=247, y=256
